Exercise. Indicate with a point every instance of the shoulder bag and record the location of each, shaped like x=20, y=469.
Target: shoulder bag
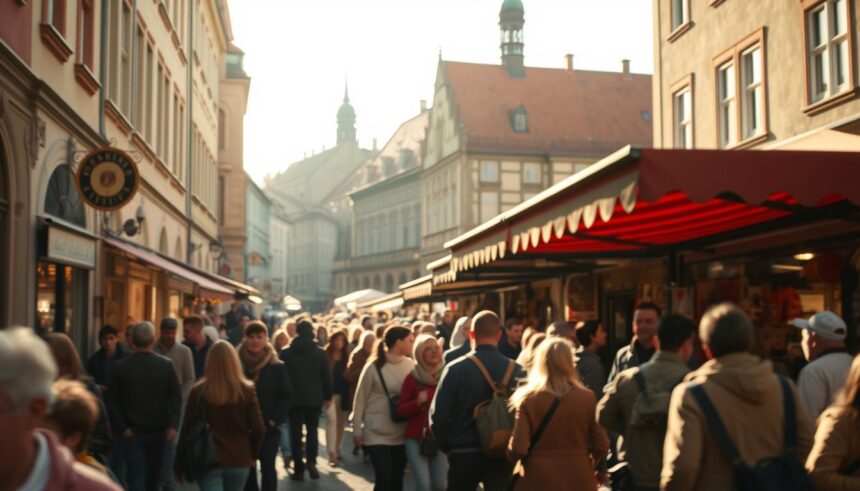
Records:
x=200, y=455
x=393, y=400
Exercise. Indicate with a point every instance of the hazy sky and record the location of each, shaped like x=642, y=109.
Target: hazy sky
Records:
x=298, y=53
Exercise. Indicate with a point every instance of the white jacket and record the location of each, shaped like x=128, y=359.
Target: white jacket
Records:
x=371, y=412
x=819, y=382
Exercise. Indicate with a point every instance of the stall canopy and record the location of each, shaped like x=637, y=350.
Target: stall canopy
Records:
x=389, y=302
x=292, y=303
x=648, y=203
x=208, y=287
x=352, y=300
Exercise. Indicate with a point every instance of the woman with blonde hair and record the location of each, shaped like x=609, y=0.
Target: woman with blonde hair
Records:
x=556, y=437
x=834, y=462
x=227, y=401
x=527, y=355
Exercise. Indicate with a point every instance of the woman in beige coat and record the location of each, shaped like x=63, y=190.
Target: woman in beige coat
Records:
x=834, y=461
x=572, y=442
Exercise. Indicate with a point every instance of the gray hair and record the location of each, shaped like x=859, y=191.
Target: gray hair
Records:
x=27, y=368
x=142, y=334
x=726, y=329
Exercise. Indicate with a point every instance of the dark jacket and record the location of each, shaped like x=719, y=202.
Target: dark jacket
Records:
x=506, y=349
x=454, y=353
x=101, y=367
x=145, y=394
x=309, y=373
x=445, y=332
x=461, y=388
x=591, y=371
x=629, y=356
x=199, y=356
x=100, y=440
x=340, y=385
x=236, y=428
x=274, y=391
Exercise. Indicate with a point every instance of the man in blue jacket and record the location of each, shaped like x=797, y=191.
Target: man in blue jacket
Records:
x=452, y=422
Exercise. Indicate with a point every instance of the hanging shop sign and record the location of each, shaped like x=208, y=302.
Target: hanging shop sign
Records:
x=70, y=248
x=107, y=178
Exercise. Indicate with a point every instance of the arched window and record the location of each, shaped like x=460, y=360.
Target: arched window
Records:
x=62, y=200
x=162, y=242
x=402, y=279
x=389, y=283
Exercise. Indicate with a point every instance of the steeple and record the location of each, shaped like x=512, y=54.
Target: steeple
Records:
x=511, y=21
x=346, y=120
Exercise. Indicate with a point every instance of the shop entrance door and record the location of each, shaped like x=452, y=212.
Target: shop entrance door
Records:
x=618, y=318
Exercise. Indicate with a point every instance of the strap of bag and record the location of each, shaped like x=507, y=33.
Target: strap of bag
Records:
x=544, y=422
x=790, y=425
x=508, y=373
x=484, y=371
x=382, y=379
x=716, y=424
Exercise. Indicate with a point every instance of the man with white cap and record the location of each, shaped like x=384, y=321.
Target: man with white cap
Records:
x=823, y=344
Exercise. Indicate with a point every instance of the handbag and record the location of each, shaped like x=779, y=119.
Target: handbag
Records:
x=200, y=454
x=535, y=438
x=393, y=400
x=427, y=446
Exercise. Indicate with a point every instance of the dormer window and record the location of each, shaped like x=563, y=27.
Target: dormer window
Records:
x=518, y=120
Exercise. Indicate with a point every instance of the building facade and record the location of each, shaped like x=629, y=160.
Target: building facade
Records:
x=258, y=258
x=142, y=77
x=732, y=74
x=499, y=134
x=279, y=240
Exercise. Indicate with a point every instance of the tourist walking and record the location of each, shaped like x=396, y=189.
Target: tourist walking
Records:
x=452, y=413
x=590, y=337
x=429, y=465
x=197, y=341
x=556, y=438
x=823, y=344
x=749, y=400
x=636, y=405
x=101, y=366
x=646, y=317
x=145, y=402
x=511, y=343
x=834, y=462
x=337, y=355
x=461, y=345
x=262, y=366
x=526, y=358
x=227, y=402
x=374, y=414
x=31, y=458
x=445, y=328
x=280, y=340
x=311, y=382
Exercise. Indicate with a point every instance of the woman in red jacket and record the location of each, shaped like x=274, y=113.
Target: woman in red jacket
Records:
x=429, y=465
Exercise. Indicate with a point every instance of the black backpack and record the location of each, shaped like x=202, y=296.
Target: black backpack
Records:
x=780, y=473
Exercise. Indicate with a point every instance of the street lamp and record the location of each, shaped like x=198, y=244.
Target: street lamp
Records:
x=130, y=227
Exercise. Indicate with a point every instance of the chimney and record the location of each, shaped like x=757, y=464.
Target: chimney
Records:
x=423, y=106
x=374, y=144
x=625, y=68
x=568, y=62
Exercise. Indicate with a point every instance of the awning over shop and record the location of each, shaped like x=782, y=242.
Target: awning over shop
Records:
x=418, y=288
x=208, y=287
x=389, y=302
x=647, y=202
x=292, y=303
x=352, y=300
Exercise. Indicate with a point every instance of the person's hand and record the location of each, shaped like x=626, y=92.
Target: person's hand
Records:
x=127, y=433
x=422, y=397
x=170, y=434
x=356, y=439
x=326, y=405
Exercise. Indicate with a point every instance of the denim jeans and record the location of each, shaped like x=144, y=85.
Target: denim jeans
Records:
x=227, y=479
x=309, y=417
x=284, y=428
x=167, y=479
x=431, y=473
x=144, y=454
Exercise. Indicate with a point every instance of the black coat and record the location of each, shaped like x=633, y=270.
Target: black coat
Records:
x=145, y=394
x=274, y=391
x=101, y=367
x=309, y=373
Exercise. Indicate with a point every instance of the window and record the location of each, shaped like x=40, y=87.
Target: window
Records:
x=726, y=88
x=751, y=121
x=160, y=96
x=532, y=173
x=518, y=120
x=221, y=196
x=682, y=107
x=140, y=78
x=85, y=32
x=742, y=92
x=55, y=15
x=489, y=205
x=489, y=171
x=125, y=61
x=680, y=13
x=828, y=49
x=148, y=92
x=221, y=128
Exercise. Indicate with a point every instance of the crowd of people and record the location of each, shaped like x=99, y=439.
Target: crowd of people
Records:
x=462, y=402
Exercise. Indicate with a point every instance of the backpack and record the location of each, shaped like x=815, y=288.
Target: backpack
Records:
x=651, y=409
x=494, y=419
x=780, y=473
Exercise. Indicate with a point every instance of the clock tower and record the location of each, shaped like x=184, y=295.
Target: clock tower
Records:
x=511, y=20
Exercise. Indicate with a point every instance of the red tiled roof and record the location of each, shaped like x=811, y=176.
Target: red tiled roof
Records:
x=567, y=112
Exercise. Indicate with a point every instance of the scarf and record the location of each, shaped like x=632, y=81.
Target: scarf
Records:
x=255, y=362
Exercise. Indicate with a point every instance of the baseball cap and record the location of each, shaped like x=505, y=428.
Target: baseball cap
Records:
x=826, y=325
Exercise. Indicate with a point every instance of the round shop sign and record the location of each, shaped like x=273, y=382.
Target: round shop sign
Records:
x=107, y=178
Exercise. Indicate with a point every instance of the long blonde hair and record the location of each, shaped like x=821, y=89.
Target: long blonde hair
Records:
x=553, y=371
x=223, y=381
x=849, y=396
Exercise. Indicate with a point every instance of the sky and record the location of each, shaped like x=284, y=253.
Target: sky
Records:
x=300, y=53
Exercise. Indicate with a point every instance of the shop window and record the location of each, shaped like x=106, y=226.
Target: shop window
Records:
x=62, y=200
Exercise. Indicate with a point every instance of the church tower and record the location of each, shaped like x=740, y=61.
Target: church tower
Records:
x=346, y=120
x=511, y=20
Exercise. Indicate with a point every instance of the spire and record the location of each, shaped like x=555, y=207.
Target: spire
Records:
x=511, y=21
x=346, y=119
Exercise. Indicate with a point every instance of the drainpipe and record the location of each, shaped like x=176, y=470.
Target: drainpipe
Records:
x=103, y=69
x=188, y=130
